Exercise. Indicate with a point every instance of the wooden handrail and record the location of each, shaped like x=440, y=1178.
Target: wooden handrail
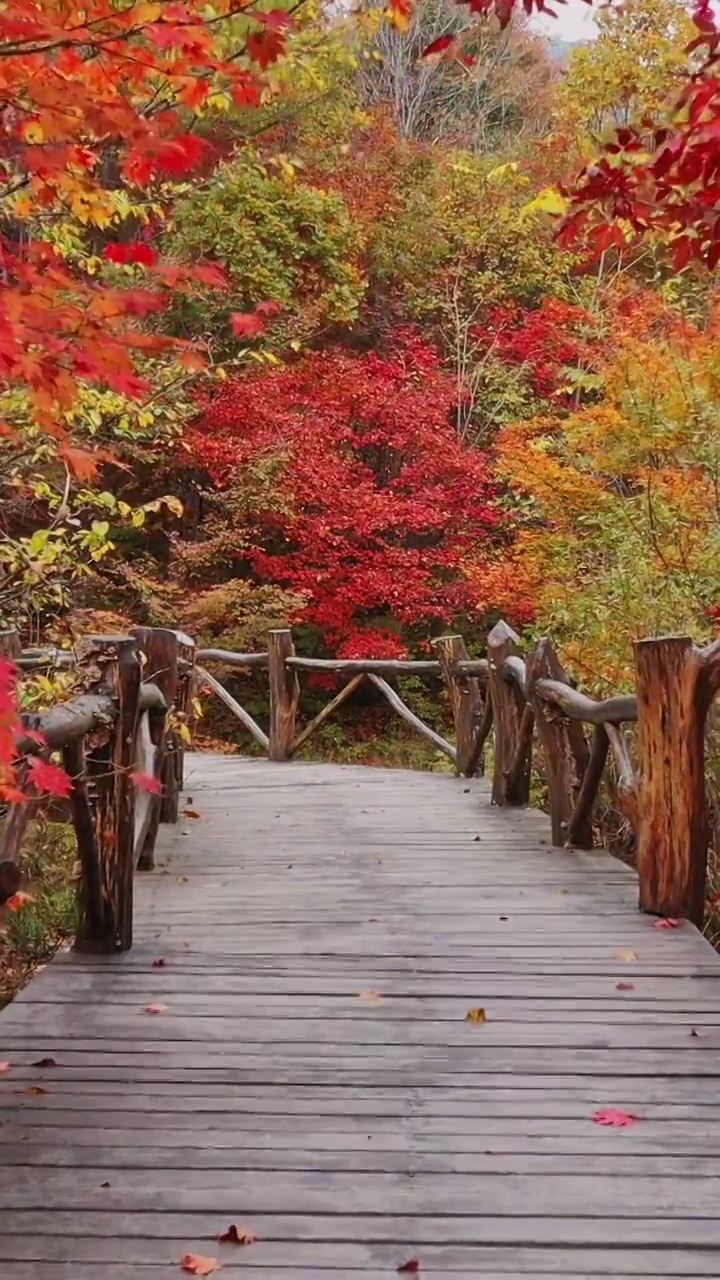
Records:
x=120, y=748
x=135, y=705
x=366, y=666
x=230, y=659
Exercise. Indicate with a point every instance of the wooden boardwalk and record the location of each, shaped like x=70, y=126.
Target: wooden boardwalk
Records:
x=353, y=1134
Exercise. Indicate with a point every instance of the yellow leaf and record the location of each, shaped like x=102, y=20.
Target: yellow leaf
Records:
x=476, y=1015
x=33, y=132
x=399, y=20
x=369, y=995
x=625, y=953
x=500, y=170
x=548, y=201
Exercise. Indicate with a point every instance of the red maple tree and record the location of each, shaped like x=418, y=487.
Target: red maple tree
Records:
x=386, y=519
x=545, y=342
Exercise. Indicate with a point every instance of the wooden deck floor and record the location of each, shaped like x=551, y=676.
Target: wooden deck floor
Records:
x=354, y=1134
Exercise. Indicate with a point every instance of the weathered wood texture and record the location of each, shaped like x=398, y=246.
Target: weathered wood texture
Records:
x=565, y=751
x=284, y=692
x=513, y=736
x=355, y=1133
x=158, y=651
x=466, y=702
x=674, y=691
x=184, y=713
x=106, y=900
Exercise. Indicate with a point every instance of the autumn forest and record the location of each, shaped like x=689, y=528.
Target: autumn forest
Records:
x=313, y=323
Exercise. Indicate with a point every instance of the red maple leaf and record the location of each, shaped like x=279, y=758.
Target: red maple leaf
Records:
x=615, y=1119
x=136, y=251
x=146, y=782
x=48, y=777
x=438, y=46
x=247, y=324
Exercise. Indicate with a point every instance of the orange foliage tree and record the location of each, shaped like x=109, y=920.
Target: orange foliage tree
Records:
x=621, y=510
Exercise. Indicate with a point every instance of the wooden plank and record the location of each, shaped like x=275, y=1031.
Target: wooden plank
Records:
x=179, y=1227
x=356, y=1261
x=243, y=1158
x=314, y=1260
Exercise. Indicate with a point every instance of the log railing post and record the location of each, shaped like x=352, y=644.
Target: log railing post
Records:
x=12, y=827
x=564, y=748
x=106, y=898
x=675, y=686
x=10, y=646
x=466, y=702
x=507, y=719
x=158, y=649
x=284, y=694
x=174, y=776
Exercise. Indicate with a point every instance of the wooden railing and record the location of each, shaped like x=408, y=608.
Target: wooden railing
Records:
x=133, y=703
x=121, y=739
x=657, y=780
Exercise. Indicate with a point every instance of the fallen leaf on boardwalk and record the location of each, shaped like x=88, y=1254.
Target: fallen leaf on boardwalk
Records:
x=182, y=879
x=615, y=1119
x=694, y=1032
x=190, y=813
x=35, y=1090
x=476, y=1015
x=155, y=1008
x=667, y=923
x=411, y=1267
x=159, y=963
x=370, y=995
x=45, y=1063
x=196, y=1265
x=625, y=953
x=238, y=1235
x=4, y=1068
x=624, y=986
